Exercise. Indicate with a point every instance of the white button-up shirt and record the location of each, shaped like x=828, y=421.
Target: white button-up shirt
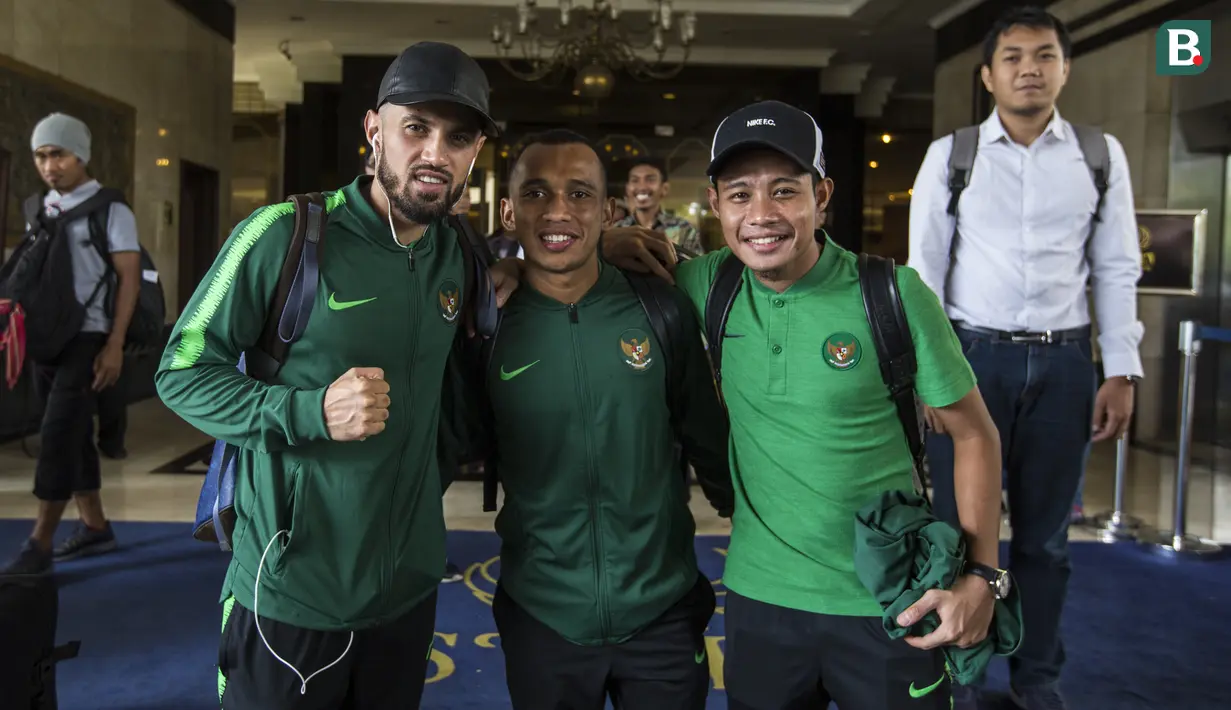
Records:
x=1020, y=262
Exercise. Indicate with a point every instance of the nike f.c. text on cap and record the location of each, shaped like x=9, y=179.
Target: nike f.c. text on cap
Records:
x=435, y=71
x=769, y=124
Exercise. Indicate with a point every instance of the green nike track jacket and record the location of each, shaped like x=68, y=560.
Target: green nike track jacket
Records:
x=597, y=536
x=363, y=522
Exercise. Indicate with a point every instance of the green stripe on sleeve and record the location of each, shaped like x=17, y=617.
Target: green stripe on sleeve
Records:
x=192, y=335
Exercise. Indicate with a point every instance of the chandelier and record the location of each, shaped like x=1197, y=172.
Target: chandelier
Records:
x=591, y=40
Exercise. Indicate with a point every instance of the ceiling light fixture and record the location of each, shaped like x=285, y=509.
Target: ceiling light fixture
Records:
x=589, y=38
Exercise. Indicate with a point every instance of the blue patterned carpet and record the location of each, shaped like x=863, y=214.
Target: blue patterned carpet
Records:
x=1143, y=633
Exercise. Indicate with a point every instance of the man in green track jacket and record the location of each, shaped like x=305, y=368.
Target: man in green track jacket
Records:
x=339, y=538
x=599, y=589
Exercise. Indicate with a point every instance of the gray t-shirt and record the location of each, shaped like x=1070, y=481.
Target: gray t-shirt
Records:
x=88, y=265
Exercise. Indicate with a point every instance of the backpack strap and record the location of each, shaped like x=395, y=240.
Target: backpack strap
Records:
x=295, y=295
x=32, y=210
x=961, y=162
x=659, y=302
x=667, y=319
x=479, y=289
x=726, y=285
x=895, y=349
x=1093, y=144
x=491, y=472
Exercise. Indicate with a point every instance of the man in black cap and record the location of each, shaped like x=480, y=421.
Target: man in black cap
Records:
x=339, y=542
x=815, y=436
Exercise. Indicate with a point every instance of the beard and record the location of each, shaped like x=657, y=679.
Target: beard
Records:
x=416, y=209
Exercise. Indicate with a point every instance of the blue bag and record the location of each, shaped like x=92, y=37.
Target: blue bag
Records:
x=285, y=324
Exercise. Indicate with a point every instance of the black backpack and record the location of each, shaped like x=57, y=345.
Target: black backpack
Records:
x=29, y=609
x=890, y=331
x=39, y=278
x=660, y=302
x=148, y=324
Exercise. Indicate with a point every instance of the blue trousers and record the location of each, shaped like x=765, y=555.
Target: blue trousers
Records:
x=1041, y=398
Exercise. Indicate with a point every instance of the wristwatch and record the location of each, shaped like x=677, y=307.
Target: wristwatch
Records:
x=998, y=579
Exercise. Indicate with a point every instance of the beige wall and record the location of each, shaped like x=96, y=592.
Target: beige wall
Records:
x=170, y=68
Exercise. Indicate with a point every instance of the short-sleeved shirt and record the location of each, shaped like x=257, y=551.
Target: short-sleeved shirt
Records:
x=679, y=230
x=814, y=436
x=88, y=265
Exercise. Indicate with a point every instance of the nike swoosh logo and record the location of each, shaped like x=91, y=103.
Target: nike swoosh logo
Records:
x=920, y=692
x=698, y=657
x=336, y=305
x=506, y=376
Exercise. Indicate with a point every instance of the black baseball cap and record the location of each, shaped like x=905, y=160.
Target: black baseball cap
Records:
x=773, y=125
x=435, y=71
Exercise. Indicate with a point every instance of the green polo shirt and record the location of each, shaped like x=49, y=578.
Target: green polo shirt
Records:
x=814, y=436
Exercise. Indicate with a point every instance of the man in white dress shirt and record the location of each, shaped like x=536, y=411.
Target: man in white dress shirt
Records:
x=1011, y=262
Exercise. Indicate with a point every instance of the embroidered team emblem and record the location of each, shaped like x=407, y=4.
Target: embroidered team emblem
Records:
x=450, y=301
x=842, y=351
x=635, y=347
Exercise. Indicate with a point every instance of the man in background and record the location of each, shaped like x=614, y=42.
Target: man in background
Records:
x=1011, y=259
x=91, y=362
x=645, y=190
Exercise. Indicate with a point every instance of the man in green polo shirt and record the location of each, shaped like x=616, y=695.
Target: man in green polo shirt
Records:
x=815, y=437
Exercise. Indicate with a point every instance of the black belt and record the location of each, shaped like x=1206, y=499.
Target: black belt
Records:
x=1024, y=337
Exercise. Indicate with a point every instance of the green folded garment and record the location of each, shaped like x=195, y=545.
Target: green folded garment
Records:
x=901, y=551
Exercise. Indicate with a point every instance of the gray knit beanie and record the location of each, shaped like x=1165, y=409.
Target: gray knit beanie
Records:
x=62, y=131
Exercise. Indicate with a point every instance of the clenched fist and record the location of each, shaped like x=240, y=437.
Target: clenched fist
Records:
x=357, y=404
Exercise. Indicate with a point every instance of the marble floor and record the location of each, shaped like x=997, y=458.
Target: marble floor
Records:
x=156, y=437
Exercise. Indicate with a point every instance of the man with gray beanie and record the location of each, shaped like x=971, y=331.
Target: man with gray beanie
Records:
x=94, y=219
x=339, y=537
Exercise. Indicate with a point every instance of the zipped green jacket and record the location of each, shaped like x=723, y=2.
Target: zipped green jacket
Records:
x=597, y=535
x=363, y=520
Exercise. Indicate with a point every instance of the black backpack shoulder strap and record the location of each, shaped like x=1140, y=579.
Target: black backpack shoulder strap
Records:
x=894, y=348
x=96, y=203
x=961, y=162
x=718, y=302
x=479, y=292
x=491, y=472
x=1093, y=144
x=667, y=320
x=32, y=210
x=296, y=292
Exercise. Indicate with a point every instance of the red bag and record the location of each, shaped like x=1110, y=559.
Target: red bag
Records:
x=12, y=341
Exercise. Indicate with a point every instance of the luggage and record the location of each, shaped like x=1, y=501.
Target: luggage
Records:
x=28, y=653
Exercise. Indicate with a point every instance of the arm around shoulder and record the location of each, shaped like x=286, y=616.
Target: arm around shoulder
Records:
x=198, y=378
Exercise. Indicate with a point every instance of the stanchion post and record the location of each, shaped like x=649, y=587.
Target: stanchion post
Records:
x=1177, y=542
x=1117, y=526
